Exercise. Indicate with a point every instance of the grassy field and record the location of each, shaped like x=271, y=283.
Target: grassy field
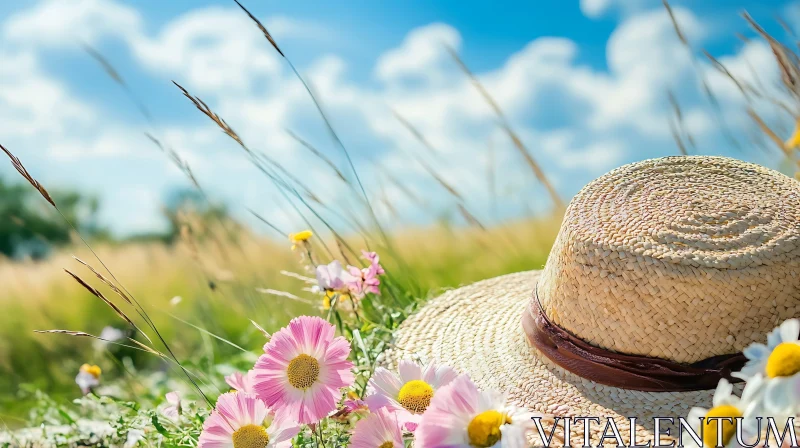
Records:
x=217, y=295
x=203, y=293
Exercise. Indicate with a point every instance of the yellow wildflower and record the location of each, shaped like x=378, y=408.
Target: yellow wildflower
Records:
x=299, y=237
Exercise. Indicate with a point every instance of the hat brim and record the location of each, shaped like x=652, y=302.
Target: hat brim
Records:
x=477, y=330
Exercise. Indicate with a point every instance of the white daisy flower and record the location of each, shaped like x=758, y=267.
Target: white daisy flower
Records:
x=725, y=405
x=461, y=416
x=88, y=378
x=757, y=353
x=778, y=364
x=410, y=392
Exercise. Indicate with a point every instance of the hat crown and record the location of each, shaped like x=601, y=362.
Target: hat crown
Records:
x=680, y=258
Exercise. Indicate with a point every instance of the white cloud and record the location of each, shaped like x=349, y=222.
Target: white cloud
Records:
x=645, y=59
x=594, y=8
x=34, y=104
x=70, y=22
x=420, y=56
x=228, y=55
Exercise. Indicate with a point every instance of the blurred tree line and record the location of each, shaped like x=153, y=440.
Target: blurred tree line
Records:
x=31, y=228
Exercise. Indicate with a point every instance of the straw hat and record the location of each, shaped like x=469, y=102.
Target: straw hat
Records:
x=673, y=261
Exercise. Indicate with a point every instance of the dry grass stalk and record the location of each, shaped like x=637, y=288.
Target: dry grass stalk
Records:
x=320, y=156
x=306, y=191
x=116, y=77
x=147, y=348
x=111, y=304
x=262, y=28
x=67, y=332
x=108, y=282
x=303, y=278
x=142, y=312
x=786, y=59
x=491, y=181
x=21, y=169
x=471, y=219
x=343, y=254
x=439, y=179
x=349, y=218
x=282, y=185
x=673, y=129
x=261, y=329
x=385, y=173
x=421, y=138
x=678, y=30
x=176, y=159
x=330, y=129
x=768, y=132
x=81, y=334
x=269, y=224
x=712, y=98
x=384, y=198
x=286, y=294
x=203, y=107
x=100, y=59
x=724, y=70
x=415, y=132
x=532, y=163
x=677, y=127
x=171, y=154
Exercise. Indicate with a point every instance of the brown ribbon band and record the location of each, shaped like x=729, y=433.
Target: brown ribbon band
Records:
x=623, y=371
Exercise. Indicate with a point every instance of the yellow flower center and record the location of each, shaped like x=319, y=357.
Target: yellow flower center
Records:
x=784, y=360
x=250, y=436
x=387, y=445
x=484, y=429
x=415, y=396
x=303, y=371
x=92, y=370
x=712, y=427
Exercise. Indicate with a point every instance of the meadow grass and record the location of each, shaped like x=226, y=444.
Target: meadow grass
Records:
x=216, y=296
x=221, y=281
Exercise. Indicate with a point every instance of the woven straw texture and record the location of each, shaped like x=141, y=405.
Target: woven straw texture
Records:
x=681, y=258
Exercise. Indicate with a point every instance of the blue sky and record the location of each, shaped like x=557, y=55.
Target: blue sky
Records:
x=583, y=83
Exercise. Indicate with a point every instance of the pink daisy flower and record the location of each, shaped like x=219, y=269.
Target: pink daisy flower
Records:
x=410, y=393
x=242, y=382
x=303, y=369
x=461, y=416
x=379, y=430
x=241, y=420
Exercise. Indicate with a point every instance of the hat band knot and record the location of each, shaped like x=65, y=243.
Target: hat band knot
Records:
x=632, y=372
